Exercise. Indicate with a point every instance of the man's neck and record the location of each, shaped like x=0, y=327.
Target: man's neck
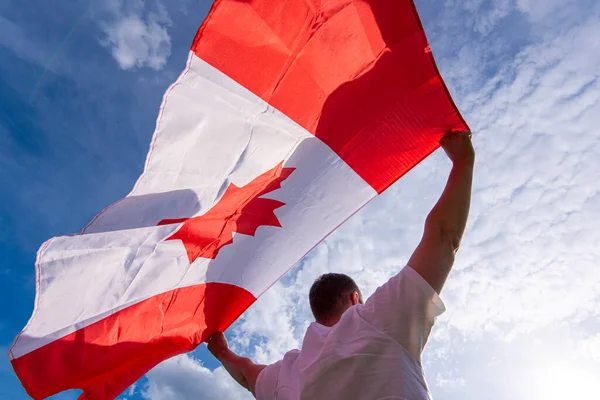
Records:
x=330, y=322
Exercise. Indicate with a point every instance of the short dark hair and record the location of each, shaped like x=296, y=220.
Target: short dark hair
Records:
x=328, y=295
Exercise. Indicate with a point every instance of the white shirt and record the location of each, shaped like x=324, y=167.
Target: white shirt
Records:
x=373, y=352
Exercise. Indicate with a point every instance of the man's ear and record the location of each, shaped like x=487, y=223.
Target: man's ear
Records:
x=355, y=299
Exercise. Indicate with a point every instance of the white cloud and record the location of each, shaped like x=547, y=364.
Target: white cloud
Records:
x=532, y=235
x=590, y=348
x=486, y=18
x=183, y=377
x=136, y=36
x=538, y=9
x=449, y=380
x=271, y=317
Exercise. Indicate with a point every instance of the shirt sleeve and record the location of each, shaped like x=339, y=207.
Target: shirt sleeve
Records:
x=405, y=308
x=266, y=382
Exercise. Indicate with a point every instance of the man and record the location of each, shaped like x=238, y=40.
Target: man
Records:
x=373, y=350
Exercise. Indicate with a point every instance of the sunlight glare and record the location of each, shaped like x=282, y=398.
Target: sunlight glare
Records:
x=561, y=381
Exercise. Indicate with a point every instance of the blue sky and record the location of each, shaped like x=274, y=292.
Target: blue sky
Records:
x=80, y=87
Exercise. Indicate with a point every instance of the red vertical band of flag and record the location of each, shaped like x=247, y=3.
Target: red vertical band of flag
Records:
x=356, y=74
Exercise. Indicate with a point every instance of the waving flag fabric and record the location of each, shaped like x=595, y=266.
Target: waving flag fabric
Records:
x=289, y=117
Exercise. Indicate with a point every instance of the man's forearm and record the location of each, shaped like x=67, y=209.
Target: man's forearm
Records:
x=241, y=369
x=235, y=365
x=449, y=216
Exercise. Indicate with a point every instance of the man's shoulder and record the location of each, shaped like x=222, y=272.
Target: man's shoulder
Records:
x=268, y=379
x=290, y=357
x=287, y=357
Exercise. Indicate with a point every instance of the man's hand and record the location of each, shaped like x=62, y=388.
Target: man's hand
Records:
x=217, y=344
x=458, y=146
x=445, y=224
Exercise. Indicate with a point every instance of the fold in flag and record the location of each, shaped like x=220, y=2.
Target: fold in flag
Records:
x=288, y=118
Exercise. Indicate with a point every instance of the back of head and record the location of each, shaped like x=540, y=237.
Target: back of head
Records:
x=331, y=295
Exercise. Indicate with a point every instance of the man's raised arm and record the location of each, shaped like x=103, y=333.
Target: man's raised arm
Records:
x=242, y=369
x=445, y=224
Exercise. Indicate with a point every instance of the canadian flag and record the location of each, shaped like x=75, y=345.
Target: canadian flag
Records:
x=288, y=118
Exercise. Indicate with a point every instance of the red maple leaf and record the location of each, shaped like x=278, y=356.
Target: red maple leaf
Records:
x=240, y=209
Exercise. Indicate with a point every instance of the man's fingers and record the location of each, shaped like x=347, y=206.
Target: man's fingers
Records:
x=450, y=135
x=460, y=133
x=214, y=336
x=457, y=145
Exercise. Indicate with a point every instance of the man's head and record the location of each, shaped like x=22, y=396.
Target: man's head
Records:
x=331, y=295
